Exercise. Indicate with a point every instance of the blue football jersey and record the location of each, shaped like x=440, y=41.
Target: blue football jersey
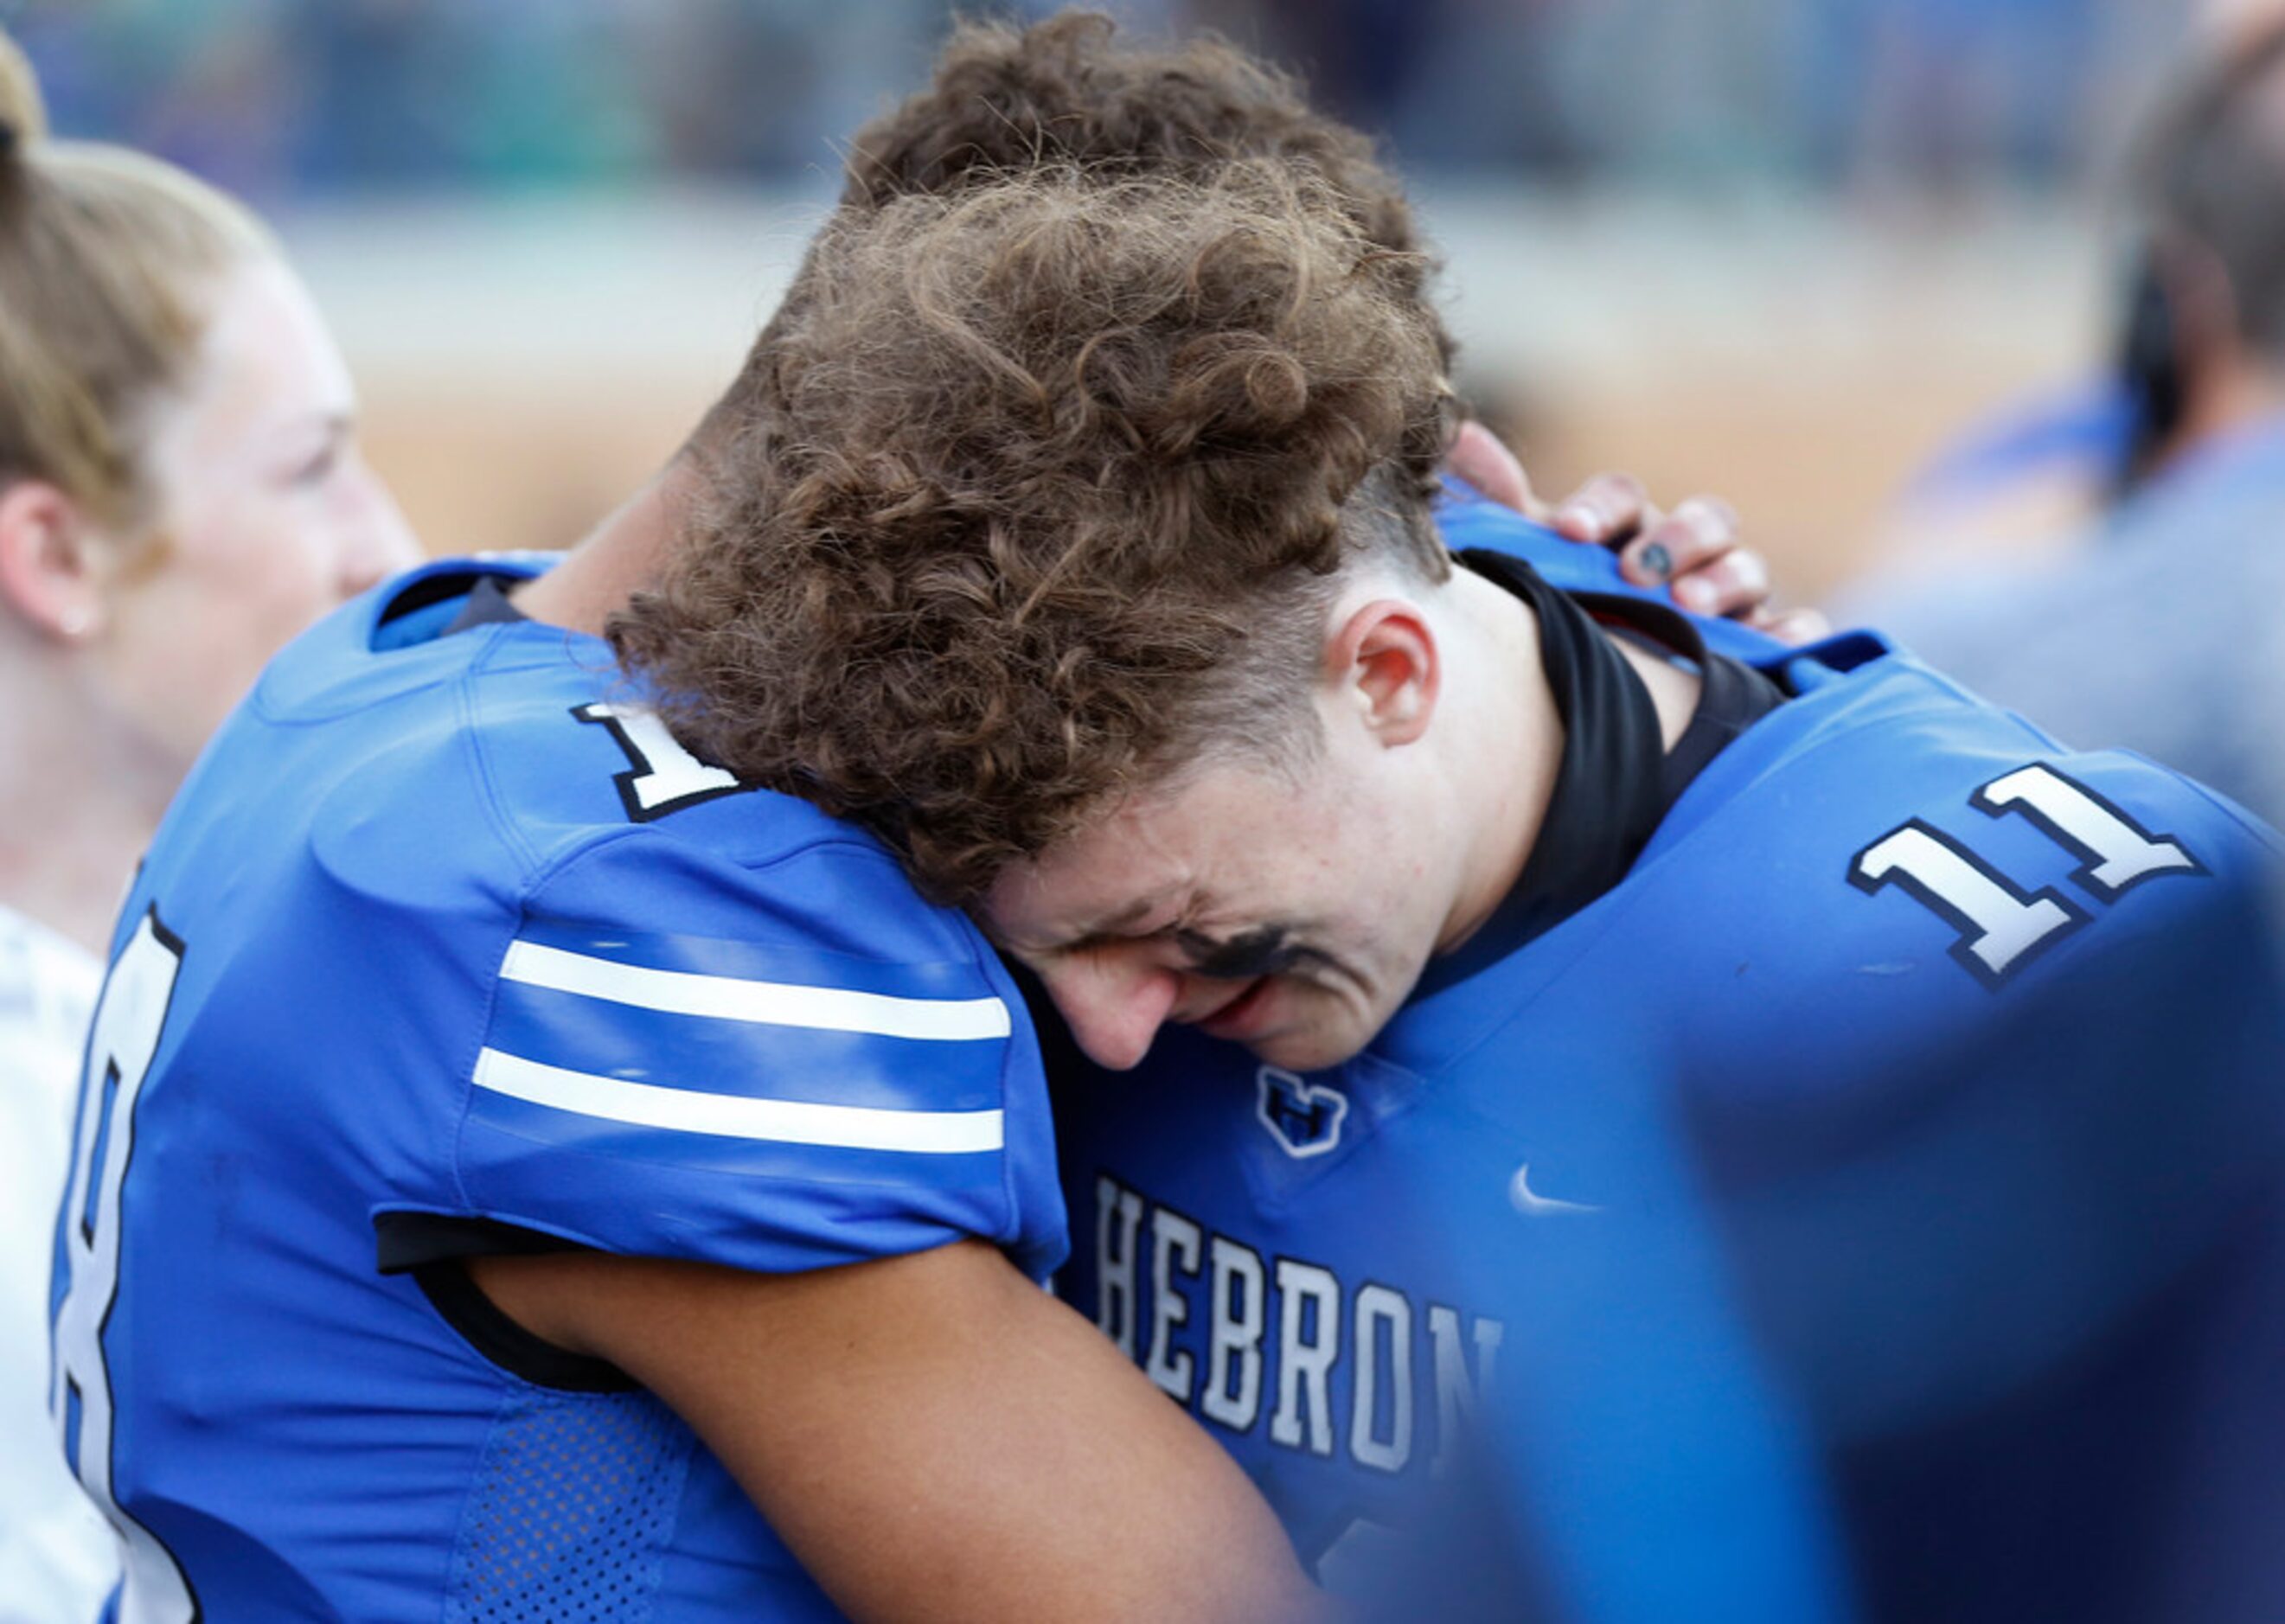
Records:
x=446, y=932
x=1857, y=1205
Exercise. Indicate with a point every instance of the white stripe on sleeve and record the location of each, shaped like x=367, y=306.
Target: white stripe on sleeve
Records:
x=856, y=1127
x=769, y=1003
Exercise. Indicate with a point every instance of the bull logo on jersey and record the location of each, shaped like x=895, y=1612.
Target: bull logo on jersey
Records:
x=1304, y=1118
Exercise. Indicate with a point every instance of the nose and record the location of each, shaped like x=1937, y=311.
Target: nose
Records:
x=377, y=543
x=1114, y=1008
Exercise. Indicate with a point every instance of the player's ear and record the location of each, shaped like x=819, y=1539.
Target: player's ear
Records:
x=48, y=571
x=1383, y=661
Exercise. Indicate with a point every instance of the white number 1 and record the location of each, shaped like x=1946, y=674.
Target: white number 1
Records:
x=2002, y=927
x=660, y=776
x=127, y=1021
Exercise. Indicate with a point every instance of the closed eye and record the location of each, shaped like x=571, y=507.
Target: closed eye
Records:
x=318, y=468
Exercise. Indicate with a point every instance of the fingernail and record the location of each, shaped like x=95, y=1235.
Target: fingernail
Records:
x=1582, y=521
x=1694, y=594
x=1656, y=560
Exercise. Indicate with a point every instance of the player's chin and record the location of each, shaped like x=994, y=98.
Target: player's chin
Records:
x=1315, y=1040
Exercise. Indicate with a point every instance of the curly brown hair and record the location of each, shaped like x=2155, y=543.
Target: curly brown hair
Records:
x=1070, y=90
x=1058, y=472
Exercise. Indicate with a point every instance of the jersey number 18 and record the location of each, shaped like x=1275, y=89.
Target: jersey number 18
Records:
x=127, y=1021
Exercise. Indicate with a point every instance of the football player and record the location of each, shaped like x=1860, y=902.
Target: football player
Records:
x=1910, y=1232
x=521, y=1169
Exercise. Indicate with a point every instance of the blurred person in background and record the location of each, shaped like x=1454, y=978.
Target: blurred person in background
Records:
x=179, y=494
x=2160, y=628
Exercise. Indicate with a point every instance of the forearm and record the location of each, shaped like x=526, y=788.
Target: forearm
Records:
x=935, y=1438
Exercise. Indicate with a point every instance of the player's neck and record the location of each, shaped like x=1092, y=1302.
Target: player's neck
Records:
x=1503, y=737
x=1511, y=739
x=619, y=557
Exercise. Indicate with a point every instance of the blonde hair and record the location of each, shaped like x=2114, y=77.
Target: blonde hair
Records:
x=107, y=261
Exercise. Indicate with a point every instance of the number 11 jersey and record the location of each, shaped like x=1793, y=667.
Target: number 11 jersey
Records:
x=1877, y=1190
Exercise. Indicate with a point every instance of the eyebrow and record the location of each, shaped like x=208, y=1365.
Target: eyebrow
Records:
x=1264, y=950
x=328, y=424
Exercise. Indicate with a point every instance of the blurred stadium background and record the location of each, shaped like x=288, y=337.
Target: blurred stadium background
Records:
x=1783, y=249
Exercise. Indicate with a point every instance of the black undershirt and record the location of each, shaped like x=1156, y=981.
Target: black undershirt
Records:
x=1616, y=781
x=487, y=605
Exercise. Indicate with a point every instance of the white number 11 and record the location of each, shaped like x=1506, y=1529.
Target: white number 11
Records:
x=2002, y=928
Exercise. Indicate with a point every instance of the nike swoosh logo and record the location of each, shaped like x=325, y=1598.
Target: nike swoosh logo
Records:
x=1520, y=1197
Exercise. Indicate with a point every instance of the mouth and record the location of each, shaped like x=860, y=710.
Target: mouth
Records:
x=1242, y=1017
